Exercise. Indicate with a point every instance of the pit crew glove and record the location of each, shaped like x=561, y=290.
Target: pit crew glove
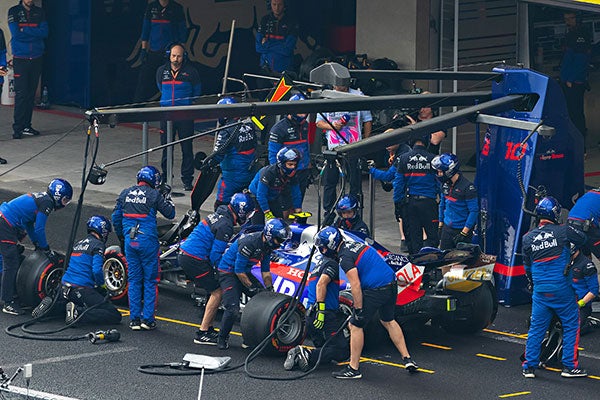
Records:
x=462, y=237
x=581, y=303
x=371, y=164
x=358, y=319
x=52, y=256
x=398, y=210
x=319, y=321
x=269, y=215
x=254, y=290
x=165, y=191
x=269, y=288
x=143, y=56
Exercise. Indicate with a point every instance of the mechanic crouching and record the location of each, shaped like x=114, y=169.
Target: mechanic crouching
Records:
x=27, y=214
x=585, y=283
x=134, y=218
x=235, y=270
x=348, y=216
x=271, y=182
x=201, y=253
x=323, y=318
x=546, y=255
x=83, y=280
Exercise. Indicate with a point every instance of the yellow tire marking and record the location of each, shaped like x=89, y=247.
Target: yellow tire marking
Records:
x=516, y=335
x=391, y=364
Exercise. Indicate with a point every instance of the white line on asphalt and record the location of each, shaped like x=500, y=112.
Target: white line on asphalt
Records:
x=75, y=356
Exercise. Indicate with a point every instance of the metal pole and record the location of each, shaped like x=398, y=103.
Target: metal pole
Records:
x=372, y=205
x=145, y=142
x=224, y=88
x=169, y=179
x=455, y=86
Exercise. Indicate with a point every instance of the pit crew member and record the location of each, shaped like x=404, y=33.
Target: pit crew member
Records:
x=348, y=216
x=585, y=283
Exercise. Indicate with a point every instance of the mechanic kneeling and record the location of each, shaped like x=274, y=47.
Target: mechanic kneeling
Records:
x=83, y=280
x=235, y=270
x=323, y=316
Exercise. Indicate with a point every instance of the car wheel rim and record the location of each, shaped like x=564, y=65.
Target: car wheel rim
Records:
x=114, y=275
x=291, y=330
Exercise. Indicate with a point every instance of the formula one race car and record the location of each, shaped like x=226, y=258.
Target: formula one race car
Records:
x=453, y=288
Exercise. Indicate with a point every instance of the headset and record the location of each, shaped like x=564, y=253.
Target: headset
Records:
x=170, y=47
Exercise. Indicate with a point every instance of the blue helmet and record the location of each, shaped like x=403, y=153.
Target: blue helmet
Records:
x=276, y=232
x=548, y=208
x=348, y=202
x=99, y=224
x=61, y=192
x=328, y=241
x=243, y=206
x=298, y=117
x=447, y=163
x=225, y=100
x=284, y=155
x=150, y=175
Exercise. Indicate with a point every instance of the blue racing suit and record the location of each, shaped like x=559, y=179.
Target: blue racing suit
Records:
x=26, y=213
x=291, y=134
x=337, y=349
x=275, y=42
x=82, y=279
x=585, y=280
x=458, y=209
x=267, y=186
x=163, y=26
x=546, y=255
x=134, y=218
x=355, y=224
x=585, y=217
x=236, y=155
x=239, y=259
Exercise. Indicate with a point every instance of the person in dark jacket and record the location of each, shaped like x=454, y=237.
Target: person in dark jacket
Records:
x=348, y=216
x=324, y=317
x=235, y=270
x=27, y=214
x=292, y=132
x=458, y=207
x=83, y=280
x=179, y=84
x=235, y=150
x=585, y=217
x=28, y=29
x=201, y=252
x=163, y=25
x=276, y=39
x=546, y=255
x=3, y=70
x=134, y=219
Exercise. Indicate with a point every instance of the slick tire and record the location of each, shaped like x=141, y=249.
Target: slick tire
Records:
x=262, y=316
x=115, y=274
x=37, y=278
x=476, y=310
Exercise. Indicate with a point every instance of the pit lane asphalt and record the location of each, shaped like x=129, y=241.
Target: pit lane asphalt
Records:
x=484, y=365
x=109, y=371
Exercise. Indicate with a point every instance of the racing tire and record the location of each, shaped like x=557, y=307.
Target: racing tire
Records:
x=476, y=310
x=261, y=317
x=38, y=277
x=114, y=270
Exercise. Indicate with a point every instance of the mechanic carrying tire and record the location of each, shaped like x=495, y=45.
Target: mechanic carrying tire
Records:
x=201, y=252
x=323, y=318
x=27, y=214
x=83, y=287
x=235, y=270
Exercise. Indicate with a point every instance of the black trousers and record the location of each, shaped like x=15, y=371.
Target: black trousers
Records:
x=10, y=260
x=146, y=86
x=27, y=76
x=86, y=297
x=331, y=177
x=420, y=214
x=574, y=99
x=183, y=129
x=447, y=237
x=338, y=347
